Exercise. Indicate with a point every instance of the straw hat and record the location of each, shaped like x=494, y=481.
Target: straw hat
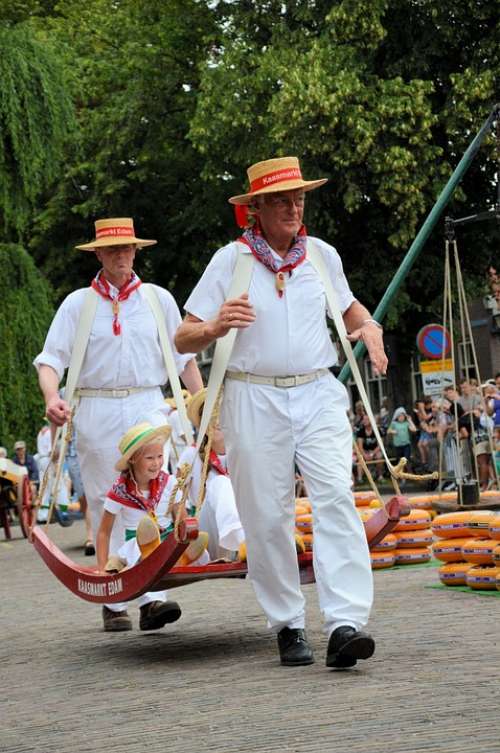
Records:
x=117, y=231
x=138, y=436
x=273, y=175
x=194, y=406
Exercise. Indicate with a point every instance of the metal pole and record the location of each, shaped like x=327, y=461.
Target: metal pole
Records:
x=424, y=232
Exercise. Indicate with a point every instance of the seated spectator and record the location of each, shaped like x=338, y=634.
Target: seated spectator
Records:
x=368, y=445
x=384, y=417
x=21, y=457
x=470, y=402
x=359, y=415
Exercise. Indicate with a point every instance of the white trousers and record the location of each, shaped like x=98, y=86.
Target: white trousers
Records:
x=219, y=518
x=100, y=423
x=267, y=430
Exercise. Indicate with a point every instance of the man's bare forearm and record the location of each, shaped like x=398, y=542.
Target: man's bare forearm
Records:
x=355, y=315
x=194, y=335
x=191, y=377
x=48, y=381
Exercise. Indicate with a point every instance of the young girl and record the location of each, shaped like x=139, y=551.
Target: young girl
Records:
x=218, y=514
x=141, y=490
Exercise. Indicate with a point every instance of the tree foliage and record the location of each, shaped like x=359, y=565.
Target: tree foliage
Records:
x=25, y=315
x=36, y=116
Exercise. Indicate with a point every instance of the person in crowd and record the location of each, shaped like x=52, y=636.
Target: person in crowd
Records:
x=368, y=445
x=424, y=413
x=22, y=457
x=470, y=402
x=141, y=490
x=123, y=368
x=359, y=414
x=3, y=452
x=401, y=429
x=282, y=406
x=218, y=514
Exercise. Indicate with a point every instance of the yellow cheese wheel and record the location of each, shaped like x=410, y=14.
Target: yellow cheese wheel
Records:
x=382, y=559
x=482, y=577
x=479, y=522
x=416, y=520
x=303, y=502
x=453, y=574
x=494, y=527
x=496, y=554
x=412, y=556
x=307, y=538
x=303, y=523
x=449, y=550
x=363, y=499
x=420, y=503
x=413, y=539
x=478, y=551
x=451, y=525
x=365, y=513
x=387, y=543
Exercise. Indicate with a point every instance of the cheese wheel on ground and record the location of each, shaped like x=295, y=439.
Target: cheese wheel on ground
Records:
x=482, y=577
x=478, y=551
x=496, y=554
x=412, y=556
x=451, y=525
x=413, y=539
x=382, y=559
x=416, y=520
x=454, y=573
x=449, y=550
x=420, y=503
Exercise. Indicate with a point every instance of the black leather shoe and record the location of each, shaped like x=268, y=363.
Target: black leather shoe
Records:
x=156, y=614
x=347, y=645
x=294, y=648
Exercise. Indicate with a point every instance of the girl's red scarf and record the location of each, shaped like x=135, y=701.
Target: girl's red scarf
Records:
x=262, y=251
x=126, y=492
x=101, y=285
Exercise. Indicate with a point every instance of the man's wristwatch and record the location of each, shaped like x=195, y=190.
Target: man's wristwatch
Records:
x=372, y=321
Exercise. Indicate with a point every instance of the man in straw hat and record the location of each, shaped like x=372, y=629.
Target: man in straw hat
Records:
x=122, y=369
x=283, y=406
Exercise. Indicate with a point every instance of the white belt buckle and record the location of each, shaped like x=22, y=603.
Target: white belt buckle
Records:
x=285, y=381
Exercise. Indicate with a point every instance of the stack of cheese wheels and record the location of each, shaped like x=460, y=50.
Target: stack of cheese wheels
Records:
x=413, y=538
x=452, y=530
x=303, y=521
x=364, y=499
x=478, y=551
x=382, y=555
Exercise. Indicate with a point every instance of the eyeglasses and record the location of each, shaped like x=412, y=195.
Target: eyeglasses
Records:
x=285, y=199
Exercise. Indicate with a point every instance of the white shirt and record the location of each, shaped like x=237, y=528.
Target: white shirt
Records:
x=44, y=442
x=290, y=334
x=131, y=359
x=217, y=485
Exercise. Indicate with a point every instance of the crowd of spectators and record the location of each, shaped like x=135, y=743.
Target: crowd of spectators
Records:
x=457, y=433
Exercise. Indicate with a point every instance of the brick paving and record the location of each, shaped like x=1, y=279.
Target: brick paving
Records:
x=211, y=682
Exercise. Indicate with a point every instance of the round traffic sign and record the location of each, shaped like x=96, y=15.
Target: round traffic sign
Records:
x=432, y=340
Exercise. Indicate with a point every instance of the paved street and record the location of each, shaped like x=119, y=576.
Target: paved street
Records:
x=212, y=682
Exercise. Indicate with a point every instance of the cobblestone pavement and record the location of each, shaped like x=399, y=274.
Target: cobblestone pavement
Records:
x=212, y=682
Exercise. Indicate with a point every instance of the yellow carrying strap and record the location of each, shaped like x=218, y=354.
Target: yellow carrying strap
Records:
x=239, y=284
x=168, y=357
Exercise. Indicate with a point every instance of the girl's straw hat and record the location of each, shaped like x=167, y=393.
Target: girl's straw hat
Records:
x=138, y=436
x=117, y=231
x=194, y=406
x=273, y=175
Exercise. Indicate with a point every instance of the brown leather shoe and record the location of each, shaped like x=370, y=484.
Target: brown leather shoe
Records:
x=156, y=614
x=115, y=622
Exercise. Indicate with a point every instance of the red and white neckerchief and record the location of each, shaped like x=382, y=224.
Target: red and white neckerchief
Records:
x=262, y=251
x=126, y=492
x=101, y=285
x=216, y=464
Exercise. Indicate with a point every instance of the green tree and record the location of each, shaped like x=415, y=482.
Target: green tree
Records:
x=25, y=315
x=380, y=96
x=36, y=116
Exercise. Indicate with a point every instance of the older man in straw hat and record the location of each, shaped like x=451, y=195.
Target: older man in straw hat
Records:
x=283, y=406
x=122, y=369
